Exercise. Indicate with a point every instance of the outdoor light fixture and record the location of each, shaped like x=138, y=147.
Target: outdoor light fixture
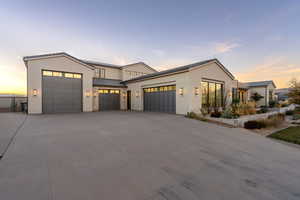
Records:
x=35, y=92
x=137, y=94
x=87, y=93
x=196, y=91
x=95, y=94
x=181, y=91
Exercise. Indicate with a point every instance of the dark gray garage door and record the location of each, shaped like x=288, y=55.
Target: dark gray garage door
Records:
x=62, y=92
x=160, y=99
x=109, y=99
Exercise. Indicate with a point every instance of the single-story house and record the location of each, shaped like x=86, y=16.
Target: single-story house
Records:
x=59, y=83
x=265, y=88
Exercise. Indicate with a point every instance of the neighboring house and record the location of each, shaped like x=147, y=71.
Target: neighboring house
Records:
x=265, y=88
x=59, y=82
x=282, y=94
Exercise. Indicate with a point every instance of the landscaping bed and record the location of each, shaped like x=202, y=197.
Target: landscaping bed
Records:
x=290, y=134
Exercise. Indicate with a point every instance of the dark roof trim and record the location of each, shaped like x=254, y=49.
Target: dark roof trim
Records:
x=27, y=58
x=124, y=66
x=260, y=83
x=180, y=69
x=108, y=82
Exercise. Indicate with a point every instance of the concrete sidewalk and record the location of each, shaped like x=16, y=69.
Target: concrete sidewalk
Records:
x=9, y=123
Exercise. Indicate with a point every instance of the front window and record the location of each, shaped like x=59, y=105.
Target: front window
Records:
x=212, y=94
x=204, y=89
x=100, y=73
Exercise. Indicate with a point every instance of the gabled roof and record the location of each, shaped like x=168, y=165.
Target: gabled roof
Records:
x=27, y=58
x=107, y=82
x=124, y=66
x=260, y=83
x=87, y=63
x=181, y=69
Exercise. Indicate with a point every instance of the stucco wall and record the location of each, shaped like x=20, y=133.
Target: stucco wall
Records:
x=262, y=91
x=111, y=73
x=211, y=72
x=138, y=67
x=59, y=63
x=188, y=81
x=123, y=98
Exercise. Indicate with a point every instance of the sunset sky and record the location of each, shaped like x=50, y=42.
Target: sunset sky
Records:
x=255, y=40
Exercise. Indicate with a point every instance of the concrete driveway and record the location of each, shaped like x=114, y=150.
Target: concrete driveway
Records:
x=148, y=156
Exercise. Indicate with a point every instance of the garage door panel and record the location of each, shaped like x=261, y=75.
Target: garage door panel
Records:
x=109, y=101
x=161, y=99
x=61, y=95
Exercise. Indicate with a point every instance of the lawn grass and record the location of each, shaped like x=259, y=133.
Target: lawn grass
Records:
x=291, y=134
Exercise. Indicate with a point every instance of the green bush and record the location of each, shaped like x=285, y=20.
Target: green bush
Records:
x=228, y=113
x=271, y=121
x=289, y=112
x=191, y=115
x=284, y=105
x=263, y=109
x=272, y=104
x=296, y=116
x=216, y=114
x=254, y=125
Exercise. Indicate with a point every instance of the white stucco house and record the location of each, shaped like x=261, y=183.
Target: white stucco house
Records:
x=59, y=83
x=264, y=88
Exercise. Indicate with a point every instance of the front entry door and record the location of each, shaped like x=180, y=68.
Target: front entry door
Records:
x=128, y=100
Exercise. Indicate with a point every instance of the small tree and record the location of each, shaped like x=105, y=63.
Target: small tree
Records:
x=294, y=92
x=256, y=97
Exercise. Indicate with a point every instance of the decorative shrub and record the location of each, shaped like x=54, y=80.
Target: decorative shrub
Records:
x=272, y=104
x=254, y=124
x=263, y=109
x=205, y=110
x=289, y=112
x=191, y=115
x=228, y=113
x=296, y=116
x=272, y=121
x=244, y=109
x=216, y=114
x=283, y=105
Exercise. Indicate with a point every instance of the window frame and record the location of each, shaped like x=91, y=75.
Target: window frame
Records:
x=207, y=102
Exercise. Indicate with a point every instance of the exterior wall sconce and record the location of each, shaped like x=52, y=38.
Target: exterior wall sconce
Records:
x=95, y=94
x=196, y=91
x=34, y=92
x=87, y=93
x=181, y=91
x=137, y=94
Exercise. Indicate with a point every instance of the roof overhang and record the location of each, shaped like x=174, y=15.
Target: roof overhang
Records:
x=125, y=66
x=53, y=55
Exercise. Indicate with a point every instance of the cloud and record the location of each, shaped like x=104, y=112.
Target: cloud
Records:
x=224, y=47
x=278, y=69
